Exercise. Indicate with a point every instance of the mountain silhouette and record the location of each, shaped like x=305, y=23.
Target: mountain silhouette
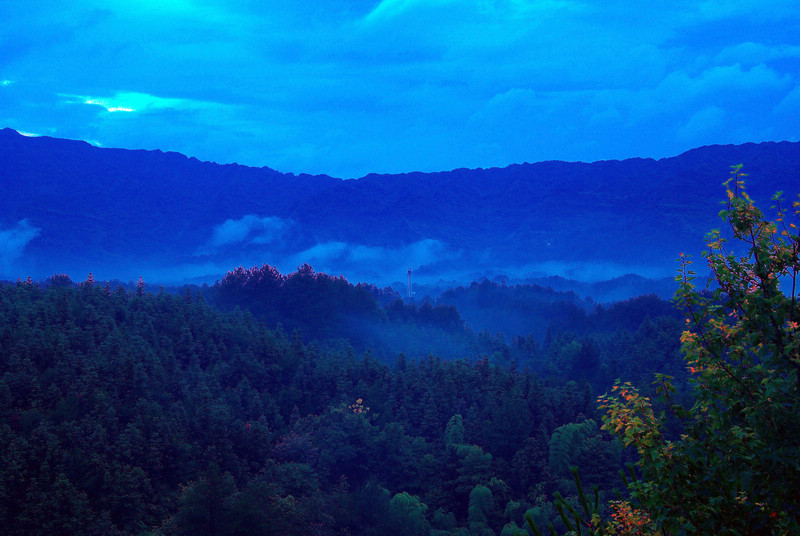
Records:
x=68, y=206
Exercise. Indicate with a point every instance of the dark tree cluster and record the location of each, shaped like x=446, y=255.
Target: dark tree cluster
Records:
x=324, y=307
x=131, y=412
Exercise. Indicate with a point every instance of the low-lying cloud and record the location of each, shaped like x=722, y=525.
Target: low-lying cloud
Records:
x=433, y=262
x=13, y=241
x=357, y=262
x=371, y=263
x=430, y=260
x=589, y=271
x=247, y=230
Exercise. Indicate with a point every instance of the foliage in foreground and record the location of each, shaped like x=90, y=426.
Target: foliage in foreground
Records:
x=735, y=469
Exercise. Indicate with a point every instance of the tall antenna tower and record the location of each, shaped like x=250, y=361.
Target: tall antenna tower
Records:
x=409, y=284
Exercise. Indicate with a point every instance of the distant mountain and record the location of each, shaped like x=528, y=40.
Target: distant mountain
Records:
x=68, y=206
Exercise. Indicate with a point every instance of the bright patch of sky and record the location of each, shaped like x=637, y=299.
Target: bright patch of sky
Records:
x=132, y=102
x=359, y=86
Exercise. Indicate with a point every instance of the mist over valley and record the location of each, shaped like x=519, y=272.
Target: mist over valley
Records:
x=73, y=208
x=399, y=268
x=188, y=348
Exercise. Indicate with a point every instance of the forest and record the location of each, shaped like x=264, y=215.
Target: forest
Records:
x=305, y=404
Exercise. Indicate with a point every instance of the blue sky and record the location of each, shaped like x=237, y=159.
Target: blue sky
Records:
x=358, y=86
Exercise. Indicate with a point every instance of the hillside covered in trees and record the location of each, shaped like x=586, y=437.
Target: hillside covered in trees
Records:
x=128, y=411
x=301, y=403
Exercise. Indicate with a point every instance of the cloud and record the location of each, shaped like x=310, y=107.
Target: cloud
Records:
x=358, y=262
x=371, y=263
x=358, y=86
x=139, y=102
x=475, y=10
x=750, y=53
x=433, y=260
x=389, y=9
x=772, y=10
x=249, y=229
x=13, y=241
x=789, y=107
x=588, y=272
x=414, y=254
x=707, y=120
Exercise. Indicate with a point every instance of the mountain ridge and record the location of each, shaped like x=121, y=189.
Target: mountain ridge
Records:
x=171, y=217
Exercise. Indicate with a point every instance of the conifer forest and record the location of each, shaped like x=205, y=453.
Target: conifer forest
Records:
x=305, y=404
x=399, y=268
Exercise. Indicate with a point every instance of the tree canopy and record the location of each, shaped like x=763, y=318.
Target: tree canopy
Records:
x=734, y=466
